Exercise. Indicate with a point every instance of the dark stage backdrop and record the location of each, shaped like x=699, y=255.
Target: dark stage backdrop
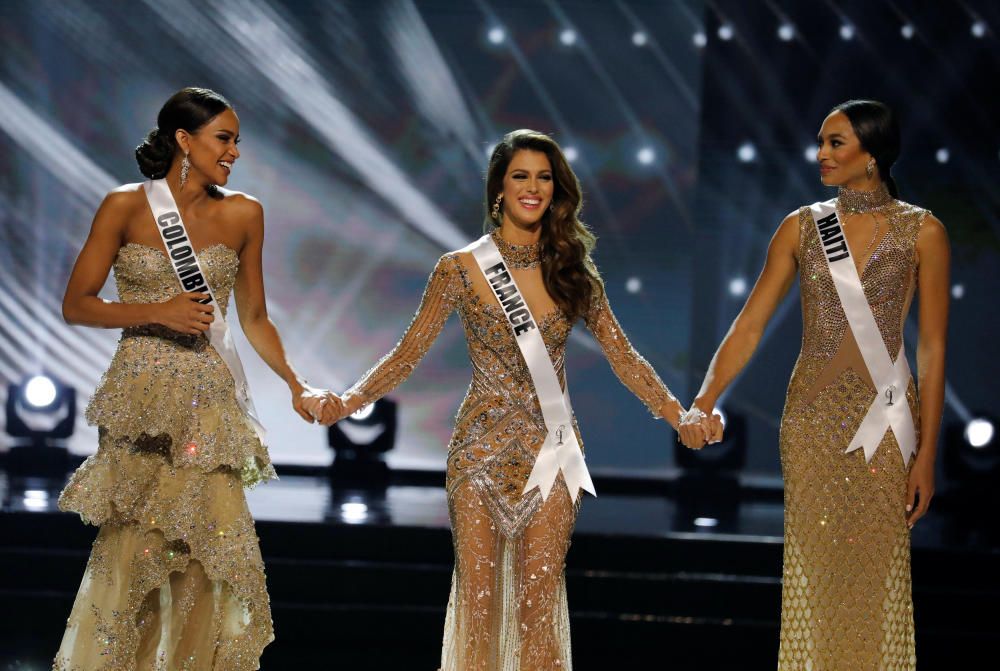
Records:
x=367, y=127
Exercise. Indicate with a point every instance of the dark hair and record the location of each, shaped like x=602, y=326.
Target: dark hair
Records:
x=567, y=270
x=877, y=128
x=188, y=109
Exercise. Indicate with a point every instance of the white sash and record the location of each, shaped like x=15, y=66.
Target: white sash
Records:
x=189, y=273
x=890, y=408
x=560, y=451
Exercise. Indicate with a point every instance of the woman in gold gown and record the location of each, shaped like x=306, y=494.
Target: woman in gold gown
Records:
x=175, y=579
x=507, y=610
x=846, y=601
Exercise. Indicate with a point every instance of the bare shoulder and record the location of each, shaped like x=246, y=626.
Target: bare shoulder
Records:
x=125, y=199
x=238, y=204
x=932, y=232
x=787, y=233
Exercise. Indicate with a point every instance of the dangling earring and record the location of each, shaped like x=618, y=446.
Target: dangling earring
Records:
x=185, y=168
x=495, y=213
x=870, y=168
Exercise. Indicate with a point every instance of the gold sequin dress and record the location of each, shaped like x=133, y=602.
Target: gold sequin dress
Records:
x=507, y=610
x=175, y=579
x=846, y=602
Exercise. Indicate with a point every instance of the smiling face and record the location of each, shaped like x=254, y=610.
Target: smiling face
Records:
x=528, y=186
x=212, y=149
x=842, y=160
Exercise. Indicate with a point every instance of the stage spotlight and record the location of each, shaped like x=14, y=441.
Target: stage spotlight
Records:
x=847, y=32
x=639, y=38
x=942, y=155
x=633, y=285
x=42, y=410
x=699, y=39
x=359, y=442
x=568, y=37
x=786, y=32
x=726, y=32
x=747, y=153
x=972, y=456
x=496, y=35
x=978, y=30
x=571, y=153
x=958, y=291
x=737, y=287
x=907, y=31
x=706, y=522
x=979, y=433
x=809, y=153
x=645, y=156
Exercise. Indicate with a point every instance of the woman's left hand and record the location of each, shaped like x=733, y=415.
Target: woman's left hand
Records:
x=919, y=491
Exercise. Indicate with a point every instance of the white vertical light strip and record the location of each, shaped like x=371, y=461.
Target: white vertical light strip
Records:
x=272, y=47
x=428, y=78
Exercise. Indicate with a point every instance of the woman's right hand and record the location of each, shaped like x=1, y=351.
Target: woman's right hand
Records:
x=185, y=314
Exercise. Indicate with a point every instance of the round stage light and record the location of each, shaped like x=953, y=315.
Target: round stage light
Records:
x=747, y=152
x=907, y=31
x=786, y=32
x=568, y=37
x=363, y=413
x=942, y=155
x=571, y=153
x=353, y=512
x=639, y=38
x=979, y=432
x=700, y=39
x=496, y=35
x=847, y=32
x=978, y=30
x=726, y=32
x=645, y=156
x=633, y=285
x=737, y=286
x=706, y=522
x=958, y=291
x=40, y=391
x=809, y=153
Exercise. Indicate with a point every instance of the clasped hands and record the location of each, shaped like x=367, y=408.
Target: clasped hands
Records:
x=696, y=428
x=320, y=405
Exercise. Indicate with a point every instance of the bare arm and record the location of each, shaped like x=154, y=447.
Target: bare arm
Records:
x=933, y=266
x=251, y=305
x=748, y=327
x=81, y=304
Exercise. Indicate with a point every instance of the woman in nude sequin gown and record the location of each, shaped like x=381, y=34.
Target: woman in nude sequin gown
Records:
x=507, y=610
x=846, y=602
x=175, y=580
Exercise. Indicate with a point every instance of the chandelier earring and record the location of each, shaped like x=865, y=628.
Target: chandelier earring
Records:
x=185, y=169
x=870, y=168
x=495, y=212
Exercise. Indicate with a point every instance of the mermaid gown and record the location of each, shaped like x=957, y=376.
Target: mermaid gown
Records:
x=507, y=610
x=846, y=593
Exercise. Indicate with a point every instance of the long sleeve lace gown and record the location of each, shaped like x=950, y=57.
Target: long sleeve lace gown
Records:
x=175, y=580
x=846, y=600
x=507, y=610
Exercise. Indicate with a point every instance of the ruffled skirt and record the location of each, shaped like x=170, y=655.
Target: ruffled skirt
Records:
x=175, y=580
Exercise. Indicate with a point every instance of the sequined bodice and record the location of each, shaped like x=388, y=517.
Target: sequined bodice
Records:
x=144, y=275
x=888, y=279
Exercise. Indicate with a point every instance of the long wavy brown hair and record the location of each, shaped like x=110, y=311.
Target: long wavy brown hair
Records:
x=567, y=269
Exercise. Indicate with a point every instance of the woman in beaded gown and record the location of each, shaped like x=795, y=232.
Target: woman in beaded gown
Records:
x=175, y=578
x=507, y=610
x=846, y=601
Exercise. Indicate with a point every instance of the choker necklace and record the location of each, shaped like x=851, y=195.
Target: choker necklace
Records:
x=860, y=202
x=518, y=256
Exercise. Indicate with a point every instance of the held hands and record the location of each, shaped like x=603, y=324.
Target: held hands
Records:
x=184, y=314
x=312, y=403
x=697, y=428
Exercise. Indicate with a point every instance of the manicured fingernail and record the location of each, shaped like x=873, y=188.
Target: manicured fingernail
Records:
x=908, y=507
